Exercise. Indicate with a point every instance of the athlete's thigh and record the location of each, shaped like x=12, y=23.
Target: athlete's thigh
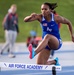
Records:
x=43, y=56
x=53, y=42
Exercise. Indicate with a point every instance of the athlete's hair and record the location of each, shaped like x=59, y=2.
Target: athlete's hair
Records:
x=52, y=6
x=13, y=5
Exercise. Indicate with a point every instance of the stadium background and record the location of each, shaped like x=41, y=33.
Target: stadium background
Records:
x=26, y=7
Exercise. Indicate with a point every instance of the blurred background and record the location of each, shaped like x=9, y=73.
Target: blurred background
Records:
x=26, y=7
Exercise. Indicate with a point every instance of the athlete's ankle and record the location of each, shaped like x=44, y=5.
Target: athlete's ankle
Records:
x=35, y=53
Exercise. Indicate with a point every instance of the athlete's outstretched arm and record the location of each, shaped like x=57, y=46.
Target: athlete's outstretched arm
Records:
x=32, y=17
x=66, y=21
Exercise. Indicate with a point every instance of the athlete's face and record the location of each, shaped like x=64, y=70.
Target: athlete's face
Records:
x=45, y=10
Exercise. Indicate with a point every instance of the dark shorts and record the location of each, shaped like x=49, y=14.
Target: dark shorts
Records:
x=60, y=44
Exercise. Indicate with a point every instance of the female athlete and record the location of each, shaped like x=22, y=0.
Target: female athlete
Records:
x=50, y=36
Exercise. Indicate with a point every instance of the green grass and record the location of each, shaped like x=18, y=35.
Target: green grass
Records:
x=26, y=7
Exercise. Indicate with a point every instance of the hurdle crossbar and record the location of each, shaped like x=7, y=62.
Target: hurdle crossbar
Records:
x=29, y=66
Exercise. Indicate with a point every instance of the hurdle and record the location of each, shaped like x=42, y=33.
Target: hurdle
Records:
x=24, y=66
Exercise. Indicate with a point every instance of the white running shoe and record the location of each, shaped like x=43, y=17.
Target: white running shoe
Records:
x=11, y=56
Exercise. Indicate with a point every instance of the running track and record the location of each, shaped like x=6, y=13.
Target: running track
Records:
x=65, y=54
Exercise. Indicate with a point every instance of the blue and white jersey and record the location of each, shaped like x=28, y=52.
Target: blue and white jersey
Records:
x=50, y=27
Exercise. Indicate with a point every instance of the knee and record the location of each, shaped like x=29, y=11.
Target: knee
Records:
x=40, y=63
x=47, y=36
x=40, y=60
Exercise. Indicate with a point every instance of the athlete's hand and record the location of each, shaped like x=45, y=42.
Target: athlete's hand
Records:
x=33, y=15
x=15, y=22
x=73, y=38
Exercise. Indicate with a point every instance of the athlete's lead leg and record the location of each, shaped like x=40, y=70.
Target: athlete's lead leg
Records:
x=48, y=38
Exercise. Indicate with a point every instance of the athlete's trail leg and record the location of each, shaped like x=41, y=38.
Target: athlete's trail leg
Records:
x=43, y=57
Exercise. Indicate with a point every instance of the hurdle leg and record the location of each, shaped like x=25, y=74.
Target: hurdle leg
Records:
x=53, y=70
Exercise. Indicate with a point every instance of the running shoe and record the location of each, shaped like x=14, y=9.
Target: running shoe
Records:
x=1, y=52
x=11, y=55
x=32, y=52
x=57, y=61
